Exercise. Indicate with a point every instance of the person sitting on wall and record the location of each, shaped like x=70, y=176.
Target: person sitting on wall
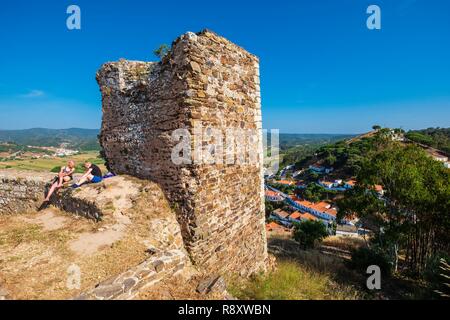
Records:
x=64, y=175
x=93, y=174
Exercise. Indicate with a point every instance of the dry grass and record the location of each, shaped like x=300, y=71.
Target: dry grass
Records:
x=35, y=262
x=293, y=281
x=178, y=288
x=344, y=243
x=301, y=275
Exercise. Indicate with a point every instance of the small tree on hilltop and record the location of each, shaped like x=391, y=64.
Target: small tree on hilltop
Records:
x=376, y=127
x=161, y=51
x=308, y=232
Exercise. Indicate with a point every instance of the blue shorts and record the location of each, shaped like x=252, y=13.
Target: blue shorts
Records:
x=96, y=179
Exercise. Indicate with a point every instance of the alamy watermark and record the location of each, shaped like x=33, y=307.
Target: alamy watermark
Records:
x=374, y=280
x=374, y=20
x=73, y=21
x=73, y=277
x=210, y=145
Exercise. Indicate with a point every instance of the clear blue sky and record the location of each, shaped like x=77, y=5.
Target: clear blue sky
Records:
x=322, y=70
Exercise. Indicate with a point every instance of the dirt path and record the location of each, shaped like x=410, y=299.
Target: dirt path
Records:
x=39, y=250
x=48, y=220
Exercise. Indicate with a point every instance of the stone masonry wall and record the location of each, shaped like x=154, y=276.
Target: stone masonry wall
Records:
x=205, y=80
x=21, y=192
x=127, y=285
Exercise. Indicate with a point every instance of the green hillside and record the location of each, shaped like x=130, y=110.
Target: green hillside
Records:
x=295, y=147
x=438, y=138
x=80, y=139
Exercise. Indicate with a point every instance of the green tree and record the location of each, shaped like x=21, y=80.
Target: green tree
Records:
x=412, y=216
x=308, y=232
x=376, y=127
x=272, y=206
x=363, y=257
x=330, y=160
x=161, y=51
x=56, y=169
x=315, y=193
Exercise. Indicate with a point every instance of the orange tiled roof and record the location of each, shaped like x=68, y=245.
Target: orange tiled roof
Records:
x=325, y=207
x=351, y=182
x=305, y=215
x=378, y=188
x=309, y=216
x=287, y=182
x=322, y=206
x=272, y=226
x=295, y=215
x=281, y=213
x=271, y=193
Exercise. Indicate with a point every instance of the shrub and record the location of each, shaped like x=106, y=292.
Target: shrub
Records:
x=444, y=287
x=161, y=51
x=433, y=270
x=308, y=232
x=437, y=273
x=80, y=168
x=364, y=257
x=56, y=169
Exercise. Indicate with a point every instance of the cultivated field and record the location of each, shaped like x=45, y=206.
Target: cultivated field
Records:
x=47, y=164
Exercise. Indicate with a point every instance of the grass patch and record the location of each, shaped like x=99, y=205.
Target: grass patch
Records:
x=18, y=235
x=292, y=281
x=47, y=164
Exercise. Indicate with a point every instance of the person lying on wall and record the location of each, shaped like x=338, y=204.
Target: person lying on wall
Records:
x=93, y=174
x=64, y=175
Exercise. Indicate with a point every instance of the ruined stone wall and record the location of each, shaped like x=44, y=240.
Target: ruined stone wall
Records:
x=21, y=191
x=205, y=80
x=162, y=265
x=24, y=191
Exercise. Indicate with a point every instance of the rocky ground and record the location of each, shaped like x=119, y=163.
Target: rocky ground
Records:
x=40, y=251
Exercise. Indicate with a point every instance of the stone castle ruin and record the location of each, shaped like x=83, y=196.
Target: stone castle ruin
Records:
x=205, y=80
x=205, y=211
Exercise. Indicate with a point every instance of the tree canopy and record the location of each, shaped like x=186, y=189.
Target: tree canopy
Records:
x=413, y=214
x=308, y=232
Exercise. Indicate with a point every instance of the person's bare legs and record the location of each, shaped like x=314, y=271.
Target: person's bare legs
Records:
x=85, y=179
x=60, y=180
x=51, y=191
x=63, y=180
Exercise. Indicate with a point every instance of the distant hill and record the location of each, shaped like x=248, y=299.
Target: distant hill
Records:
x=295, y=147
x=345, y=156
x=288, y=140
x=80, y=139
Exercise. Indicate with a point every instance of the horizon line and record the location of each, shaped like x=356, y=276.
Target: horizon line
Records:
x=79, y=128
